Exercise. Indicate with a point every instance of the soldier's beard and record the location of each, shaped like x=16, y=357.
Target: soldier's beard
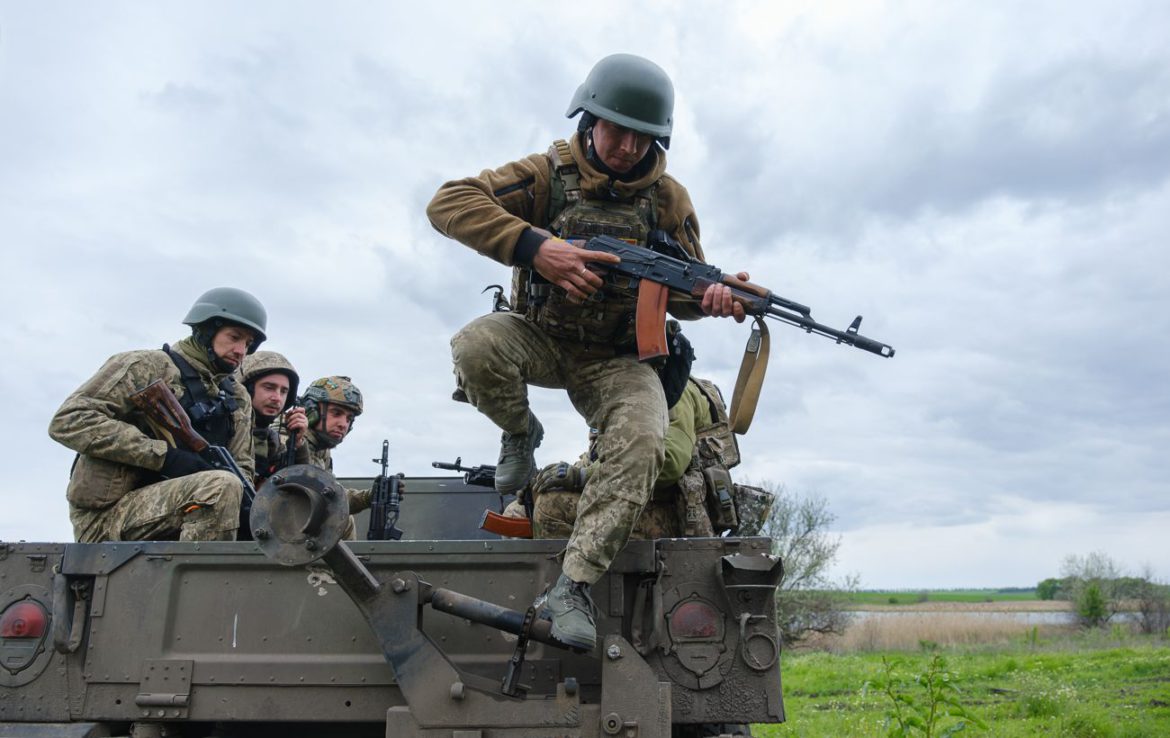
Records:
x=324, y=440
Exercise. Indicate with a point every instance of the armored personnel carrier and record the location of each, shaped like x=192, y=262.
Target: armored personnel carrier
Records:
x=438, y=634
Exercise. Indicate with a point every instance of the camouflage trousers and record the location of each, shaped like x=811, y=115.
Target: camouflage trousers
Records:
x=200, y=507
x=498, y=355
x=555, y=513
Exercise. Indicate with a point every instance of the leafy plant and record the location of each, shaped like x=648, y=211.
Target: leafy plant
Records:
x=934, y=710
x=1092, y=609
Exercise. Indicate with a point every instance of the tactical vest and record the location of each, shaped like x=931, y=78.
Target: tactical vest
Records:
x=211, y=417
x=715, y=444
x=606, y=318
x=716, y=451
x=266, y=442
x=739, y=508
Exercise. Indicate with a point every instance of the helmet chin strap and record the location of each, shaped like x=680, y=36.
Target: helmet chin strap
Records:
x=635, y=172
x=204, y=334
x=323, y=439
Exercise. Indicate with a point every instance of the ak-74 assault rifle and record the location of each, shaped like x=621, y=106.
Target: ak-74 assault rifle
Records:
x=660, y=273
x=172, y=424
x=484, y=475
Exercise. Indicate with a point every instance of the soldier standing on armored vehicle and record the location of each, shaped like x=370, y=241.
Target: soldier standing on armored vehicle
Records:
x=570, y=328
x=126, y=483
x=272, y=382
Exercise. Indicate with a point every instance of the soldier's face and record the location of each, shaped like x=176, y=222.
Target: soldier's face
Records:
x=338, y=421
x=270, y=394
x=619, y=148
x=231, y=343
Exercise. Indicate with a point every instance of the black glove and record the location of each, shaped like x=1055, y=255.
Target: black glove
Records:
x=562, y=476
x=180, y=462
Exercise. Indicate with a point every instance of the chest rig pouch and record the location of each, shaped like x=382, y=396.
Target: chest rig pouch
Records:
x=606, y=318
x=716, y=452
x=211, y=417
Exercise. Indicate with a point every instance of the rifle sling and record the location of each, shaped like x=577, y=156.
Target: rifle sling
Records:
x=751, y=378
x=211, y=417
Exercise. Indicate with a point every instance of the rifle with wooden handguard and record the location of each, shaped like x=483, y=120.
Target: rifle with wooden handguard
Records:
x=172, y=424
x=484, y=475
x=658, y=273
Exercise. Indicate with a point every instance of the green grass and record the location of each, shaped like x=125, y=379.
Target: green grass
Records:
x=946, y=595
x=1076, y=687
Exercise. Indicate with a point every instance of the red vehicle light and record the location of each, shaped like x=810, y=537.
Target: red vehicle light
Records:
x=694, y=619
x=24, y=619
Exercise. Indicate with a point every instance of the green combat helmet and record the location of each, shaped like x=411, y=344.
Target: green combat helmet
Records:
x=630, y=91
x=262, y=363
x=223, y=305
x=337, y=390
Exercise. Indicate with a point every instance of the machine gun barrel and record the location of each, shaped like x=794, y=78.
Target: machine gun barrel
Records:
x=483, y=475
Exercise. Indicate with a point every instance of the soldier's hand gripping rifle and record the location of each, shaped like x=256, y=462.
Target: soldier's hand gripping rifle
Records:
x=659, y=273
x=171, y=423
x=290, y=451
x=385, y=501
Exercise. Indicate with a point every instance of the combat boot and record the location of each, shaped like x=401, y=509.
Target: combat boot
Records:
x=570, y=607
x=517, y=461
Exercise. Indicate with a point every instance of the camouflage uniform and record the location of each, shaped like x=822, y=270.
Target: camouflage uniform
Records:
x=587, y=349
x=666, y=515
x=115, y=491
x=271, y=450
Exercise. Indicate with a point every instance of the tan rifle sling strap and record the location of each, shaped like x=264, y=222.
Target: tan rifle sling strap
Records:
x=750, y=379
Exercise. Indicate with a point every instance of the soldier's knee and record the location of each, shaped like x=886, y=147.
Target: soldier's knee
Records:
x=218, y=488
x=470, y=353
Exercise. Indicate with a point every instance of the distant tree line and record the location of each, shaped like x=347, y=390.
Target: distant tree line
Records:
x=1097, y=590
x=808, y=601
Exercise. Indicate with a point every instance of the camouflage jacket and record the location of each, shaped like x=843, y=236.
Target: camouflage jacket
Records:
x=492, y=211
x=116, y=450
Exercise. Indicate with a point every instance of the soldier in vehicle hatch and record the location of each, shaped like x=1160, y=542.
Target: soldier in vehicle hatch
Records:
x=272, y=383
x=693, y=495
x=126, y=483
x=331, y=405
x=672, y=511
x=571, y=328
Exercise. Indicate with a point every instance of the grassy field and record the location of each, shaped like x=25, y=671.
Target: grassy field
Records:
x=947, y=595
x=1031, y=682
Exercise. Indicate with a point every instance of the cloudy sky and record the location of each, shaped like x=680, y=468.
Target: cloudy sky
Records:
x=987, y=183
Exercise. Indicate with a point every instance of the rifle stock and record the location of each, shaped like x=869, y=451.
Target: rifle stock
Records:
x=504, y=525
x=167, y=417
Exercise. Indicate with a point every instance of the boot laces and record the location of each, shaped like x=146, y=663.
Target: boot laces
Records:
x=578, y=596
